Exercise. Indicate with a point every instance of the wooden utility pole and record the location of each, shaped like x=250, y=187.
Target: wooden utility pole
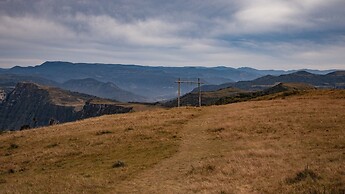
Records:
x=199, y=88
x=179, y=90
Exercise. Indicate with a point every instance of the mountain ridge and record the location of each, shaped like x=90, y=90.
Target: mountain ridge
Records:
x=331, y=80
x=154, y=82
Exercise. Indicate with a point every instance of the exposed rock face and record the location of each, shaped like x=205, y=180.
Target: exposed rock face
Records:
x=2, y=95
x=31, y=105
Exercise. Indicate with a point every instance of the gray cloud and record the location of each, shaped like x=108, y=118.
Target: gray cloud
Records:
x=277, y=34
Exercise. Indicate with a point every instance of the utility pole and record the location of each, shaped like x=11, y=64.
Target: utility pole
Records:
x=179, y=90
x=199, y=88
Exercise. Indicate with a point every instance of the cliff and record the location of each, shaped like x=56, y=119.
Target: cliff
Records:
x=30, y=105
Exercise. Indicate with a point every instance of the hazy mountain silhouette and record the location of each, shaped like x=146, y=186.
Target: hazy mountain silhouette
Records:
x=155, y=83
x=331, y=80
x=101, y=89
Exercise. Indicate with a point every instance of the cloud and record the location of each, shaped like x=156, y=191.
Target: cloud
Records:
x=279, y=34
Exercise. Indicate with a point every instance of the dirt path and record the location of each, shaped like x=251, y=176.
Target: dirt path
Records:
x=170, y=176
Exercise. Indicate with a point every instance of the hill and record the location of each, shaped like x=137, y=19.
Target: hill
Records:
x=232, y=95
x=291, y=145
x=32, y=105
x=100, y=89
x=331, y=80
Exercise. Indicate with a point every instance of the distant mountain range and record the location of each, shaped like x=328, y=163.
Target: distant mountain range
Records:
x=152, y=83
x=331, y=80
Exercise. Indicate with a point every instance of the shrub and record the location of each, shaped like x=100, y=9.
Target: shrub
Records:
x=24, y=127
x=303, y=175
x=11, y=171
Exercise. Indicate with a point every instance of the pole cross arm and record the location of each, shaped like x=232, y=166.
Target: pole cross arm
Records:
x=191, y=82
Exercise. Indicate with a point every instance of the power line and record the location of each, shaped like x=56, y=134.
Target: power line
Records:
x=190, y=82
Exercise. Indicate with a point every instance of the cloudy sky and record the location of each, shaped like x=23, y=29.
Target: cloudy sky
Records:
x=264, y=34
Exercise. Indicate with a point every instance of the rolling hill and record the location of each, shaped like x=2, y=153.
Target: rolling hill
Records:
x=232, y=95
x=290, y=145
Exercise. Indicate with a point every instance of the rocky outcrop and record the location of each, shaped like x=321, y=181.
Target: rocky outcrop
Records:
x=2, y=95
x=30, y=105
x=94, y=110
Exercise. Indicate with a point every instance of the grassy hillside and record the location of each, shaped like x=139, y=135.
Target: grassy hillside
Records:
x=232, y=95
x=290, y=145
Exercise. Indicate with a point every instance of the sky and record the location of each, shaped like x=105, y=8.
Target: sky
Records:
x=263, y=34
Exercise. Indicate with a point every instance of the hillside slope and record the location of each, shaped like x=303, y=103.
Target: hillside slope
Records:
x=232, y=95
x=291, y=145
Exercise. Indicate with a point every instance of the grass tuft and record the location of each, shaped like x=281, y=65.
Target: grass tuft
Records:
x=52, y=145
x=129, y=129
x=119, y=164
x=103, y=132
x=11, y=171
x=13, y=146
x=216, y=130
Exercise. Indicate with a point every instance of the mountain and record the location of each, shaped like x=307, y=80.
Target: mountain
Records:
x=331, y=80
x=155, y=83
x=32, y=105
x=281, y=72
x=104, y=90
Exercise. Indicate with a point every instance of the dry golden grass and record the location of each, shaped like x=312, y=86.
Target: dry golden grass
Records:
x=291, y=145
